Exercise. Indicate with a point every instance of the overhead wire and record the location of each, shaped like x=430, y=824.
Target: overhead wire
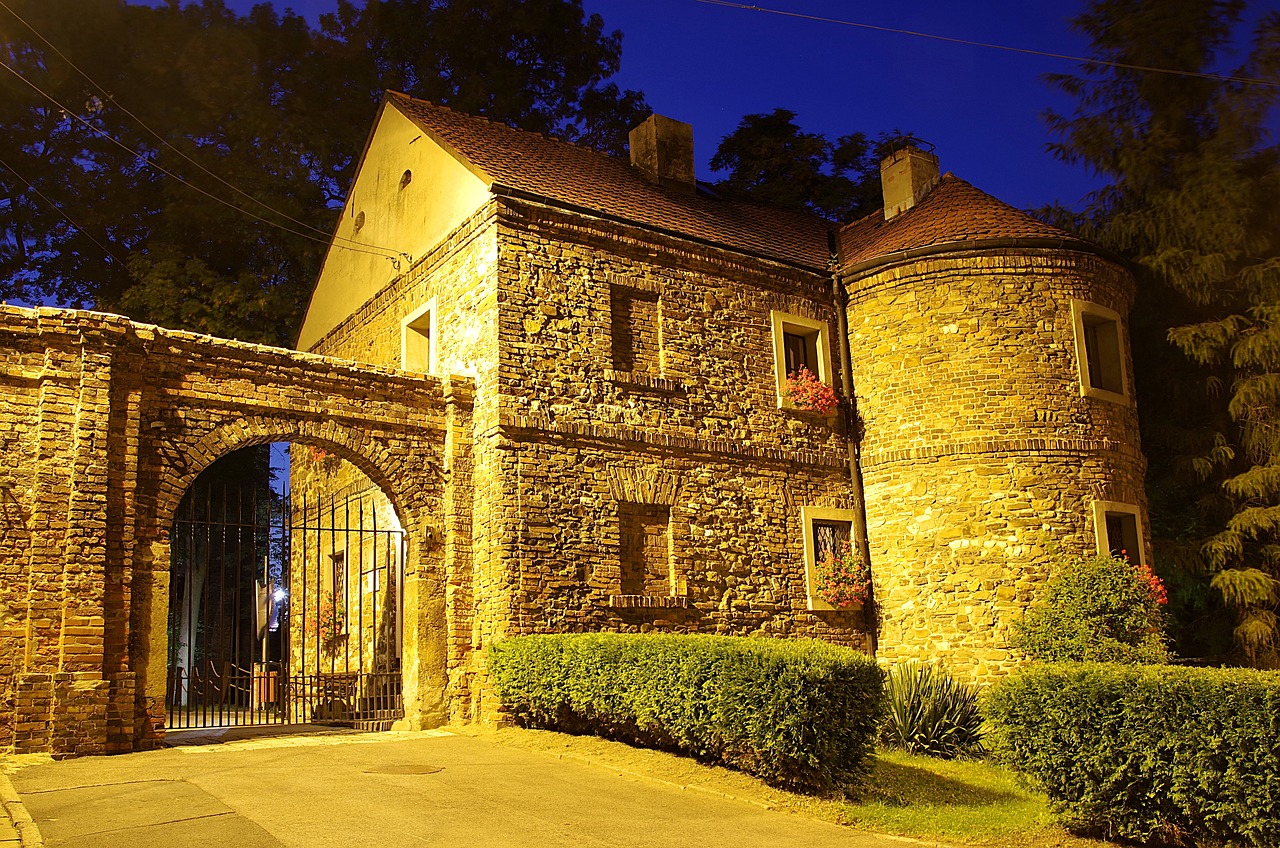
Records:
x=79, y=228
x=152, y=163
x=165, y=141
x=372, y=250
x=991, y=46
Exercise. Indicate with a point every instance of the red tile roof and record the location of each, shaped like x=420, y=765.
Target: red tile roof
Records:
x=564, y=172
x=954, y=211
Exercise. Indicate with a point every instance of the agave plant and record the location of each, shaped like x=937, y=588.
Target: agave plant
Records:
x=930, y=713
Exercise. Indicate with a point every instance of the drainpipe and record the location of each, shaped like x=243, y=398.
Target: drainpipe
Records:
x=840, y=296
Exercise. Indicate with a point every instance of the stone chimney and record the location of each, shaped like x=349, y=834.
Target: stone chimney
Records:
x=662, y=150
x=906, y=176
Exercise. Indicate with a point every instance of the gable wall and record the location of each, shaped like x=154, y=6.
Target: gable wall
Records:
x=459, y=276
x=410, y=220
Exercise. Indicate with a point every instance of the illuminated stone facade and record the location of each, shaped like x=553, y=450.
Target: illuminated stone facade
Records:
x=628, y=362
x=566, y=374
x=104, y=423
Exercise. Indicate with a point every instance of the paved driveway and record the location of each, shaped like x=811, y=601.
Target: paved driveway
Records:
x=388, y=790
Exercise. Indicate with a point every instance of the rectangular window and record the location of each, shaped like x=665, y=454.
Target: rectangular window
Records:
x=801, y=352
x=799, y=341
x=635, y=330
x=1118, y=528
x=824, y=530
x=418, y=339
x=1099, y=352
x=644, y=534
x=338, y=574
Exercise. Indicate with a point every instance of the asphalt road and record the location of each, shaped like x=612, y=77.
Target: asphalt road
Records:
x=385, y=791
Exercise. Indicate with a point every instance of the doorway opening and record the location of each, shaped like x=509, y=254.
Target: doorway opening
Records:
x=285, y=595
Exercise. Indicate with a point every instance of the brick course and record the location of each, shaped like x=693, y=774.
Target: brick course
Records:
x=105, y=424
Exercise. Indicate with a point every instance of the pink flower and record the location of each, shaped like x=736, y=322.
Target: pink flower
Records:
x=807, y=392
x=1154, y=584
x=842, y=578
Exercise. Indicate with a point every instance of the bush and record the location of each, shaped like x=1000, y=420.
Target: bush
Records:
x=798, y=713
x=930, y=713
x=1149, y=753
x=1096, y=610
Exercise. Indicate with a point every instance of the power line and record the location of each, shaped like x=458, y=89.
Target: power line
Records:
x=384, y=253
x=71, y=113
x=165, y=141
x=989, y=46
x=82, y=230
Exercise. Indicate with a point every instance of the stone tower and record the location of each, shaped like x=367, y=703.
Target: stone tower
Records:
x=991, y=366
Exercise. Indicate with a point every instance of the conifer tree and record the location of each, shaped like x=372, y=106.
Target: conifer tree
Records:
x=1194, y=201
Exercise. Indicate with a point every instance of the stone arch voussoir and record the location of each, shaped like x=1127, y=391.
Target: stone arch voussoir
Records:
x=407, y=491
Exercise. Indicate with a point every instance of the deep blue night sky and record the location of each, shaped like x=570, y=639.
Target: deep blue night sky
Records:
x=710, y=65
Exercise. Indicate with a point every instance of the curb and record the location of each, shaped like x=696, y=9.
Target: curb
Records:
x=17, y=813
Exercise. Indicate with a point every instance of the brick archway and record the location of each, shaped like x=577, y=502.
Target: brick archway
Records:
x=122, y=417
x=416, y=505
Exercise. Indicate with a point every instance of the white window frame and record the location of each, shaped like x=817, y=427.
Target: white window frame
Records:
x=1100, y=511
x=808, y=515
x=413, y=323
x=1080, y=309
x=784, y=322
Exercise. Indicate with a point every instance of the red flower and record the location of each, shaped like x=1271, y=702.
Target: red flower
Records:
x=807, y=392
x=842, y=578
x=1154, y=584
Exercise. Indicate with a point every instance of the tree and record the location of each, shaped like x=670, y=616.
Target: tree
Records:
x=262, y=118
x=770, y=159
x=1192, y=201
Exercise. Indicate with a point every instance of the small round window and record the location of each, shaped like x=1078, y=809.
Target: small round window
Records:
x=359, y=223
x=406, y=178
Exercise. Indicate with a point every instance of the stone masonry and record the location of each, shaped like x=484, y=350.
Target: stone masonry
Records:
x=104, y=423
x=572, y=400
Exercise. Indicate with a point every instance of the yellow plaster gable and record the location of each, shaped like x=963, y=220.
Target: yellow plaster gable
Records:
x=404, y=219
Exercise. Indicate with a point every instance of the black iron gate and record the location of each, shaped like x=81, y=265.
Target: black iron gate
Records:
x=284, y=610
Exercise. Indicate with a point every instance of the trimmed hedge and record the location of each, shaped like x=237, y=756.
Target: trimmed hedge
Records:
x=798, y=713
x=1151, y=753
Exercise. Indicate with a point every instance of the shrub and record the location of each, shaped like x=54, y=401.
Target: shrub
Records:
x=930, y=713
x=1096, y=610
x=798, y=713
x=1149, y=753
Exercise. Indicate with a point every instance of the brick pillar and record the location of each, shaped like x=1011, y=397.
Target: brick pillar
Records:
x=61, y=693
x=459, y=498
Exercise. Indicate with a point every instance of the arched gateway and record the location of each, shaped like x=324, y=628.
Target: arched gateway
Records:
x=109, y=423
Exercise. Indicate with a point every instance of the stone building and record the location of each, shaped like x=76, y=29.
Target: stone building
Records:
x=637, y=463
x=560, y=379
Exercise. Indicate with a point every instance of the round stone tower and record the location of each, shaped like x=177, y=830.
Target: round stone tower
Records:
x=991, y=367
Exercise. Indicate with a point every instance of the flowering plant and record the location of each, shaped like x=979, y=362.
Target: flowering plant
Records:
x=807, y=392
x=328, y=623
x=843, y=579
x=1149, y=578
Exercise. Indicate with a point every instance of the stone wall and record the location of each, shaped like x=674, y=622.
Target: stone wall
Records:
x=534, y=302
x=981, y=457
x=680, y=417
x=104, y=423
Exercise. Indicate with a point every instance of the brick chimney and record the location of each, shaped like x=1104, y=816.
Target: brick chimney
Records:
x=662, y=150
x=906, y=176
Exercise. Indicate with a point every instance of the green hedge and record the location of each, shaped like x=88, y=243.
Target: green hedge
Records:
x=1150, y=753
x=797, y=713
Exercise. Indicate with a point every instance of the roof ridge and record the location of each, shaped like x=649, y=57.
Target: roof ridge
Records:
x=953, y=212
x=495, y=122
